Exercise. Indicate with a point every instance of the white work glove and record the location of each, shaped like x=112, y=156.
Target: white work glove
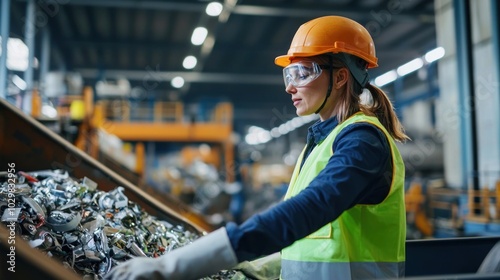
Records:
x=265, y=268
x=205, y=256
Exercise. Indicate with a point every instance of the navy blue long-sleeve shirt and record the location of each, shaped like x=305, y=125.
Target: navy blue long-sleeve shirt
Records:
x=359, y=172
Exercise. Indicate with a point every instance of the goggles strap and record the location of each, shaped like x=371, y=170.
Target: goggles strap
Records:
x=330, y=85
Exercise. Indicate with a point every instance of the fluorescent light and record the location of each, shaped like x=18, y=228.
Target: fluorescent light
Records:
x=199, y=35
x=214, y=9
x=310, y=118
x=275, y=132
x=386, y=78
x=257, y=135
x=297, y=122
x=49, y=111
x=262, y=134
x=251, y=139
x=254, y=129
x=17, y=55
x=283, y=129
x=411, y=66
x=189, y=62
x=177, y=82
x=434, y=54
x=20, y=83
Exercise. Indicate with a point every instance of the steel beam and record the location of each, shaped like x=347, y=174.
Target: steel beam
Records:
x=150, y=77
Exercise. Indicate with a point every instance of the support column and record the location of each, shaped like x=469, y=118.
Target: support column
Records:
x=495, y=40
x=433, y=90
x=4, y=33
x=29, y=40
x=44, y=60
x=466, y=99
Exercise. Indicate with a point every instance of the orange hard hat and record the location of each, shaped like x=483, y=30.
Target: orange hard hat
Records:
x=330, y=34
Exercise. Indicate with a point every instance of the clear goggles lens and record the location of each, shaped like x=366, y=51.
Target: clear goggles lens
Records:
x=302, y=73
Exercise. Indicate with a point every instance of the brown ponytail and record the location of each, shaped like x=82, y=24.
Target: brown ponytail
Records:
x=384, y=111
x=348, y=102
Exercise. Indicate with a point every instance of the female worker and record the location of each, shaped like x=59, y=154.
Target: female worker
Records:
x=343, y=216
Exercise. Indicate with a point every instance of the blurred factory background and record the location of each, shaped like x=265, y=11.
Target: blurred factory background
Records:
x=182, y=98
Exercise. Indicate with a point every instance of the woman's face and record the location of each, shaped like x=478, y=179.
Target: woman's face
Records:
x=308, y=98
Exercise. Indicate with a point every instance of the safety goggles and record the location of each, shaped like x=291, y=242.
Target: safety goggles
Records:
x=302, y=73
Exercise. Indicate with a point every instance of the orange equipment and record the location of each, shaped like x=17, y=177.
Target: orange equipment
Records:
x=416, y=215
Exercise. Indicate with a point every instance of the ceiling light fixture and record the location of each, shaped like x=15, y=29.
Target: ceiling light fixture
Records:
x=434, y=54
x=199, y=36
x=257, y=135
x=386, y=78
x=17, y=54
x=177, y=82
x=189, y=62
x=409, y=67
x=214, y=9
x=20, y=83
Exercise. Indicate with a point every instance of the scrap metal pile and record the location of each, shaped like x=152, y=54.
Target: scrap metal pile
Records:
x=89, y=230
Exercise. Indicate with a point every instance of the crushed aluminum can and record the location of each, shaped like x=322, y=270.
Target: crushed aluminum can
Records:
x=11, y=214
x=87, y=229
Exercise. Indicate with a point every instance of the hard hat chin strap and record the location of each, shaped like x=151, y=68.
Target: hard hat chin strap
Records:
x=330, y=85
x=358, y=71
x=356, y=67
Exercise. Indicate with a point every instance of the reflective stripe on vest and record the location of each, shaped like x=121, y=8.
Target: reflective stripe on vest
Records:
x=296, y=270
x=369, y=238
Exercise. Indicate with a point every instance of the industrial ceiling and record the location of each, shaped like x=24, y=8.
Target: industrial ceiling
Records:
x=147, y=40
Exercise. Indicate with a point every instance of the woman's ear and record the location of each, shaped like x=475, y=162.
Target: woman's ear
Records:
x=340, y=78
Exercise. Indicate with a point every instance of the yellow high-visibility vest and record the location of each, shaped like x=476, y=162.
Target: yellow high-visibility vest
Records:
x=364, y=242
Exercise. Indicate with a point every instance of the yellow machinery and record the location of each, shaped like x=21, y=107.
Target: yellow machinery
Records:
x=116, y=117
x=484, y=204
x=415, y=210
